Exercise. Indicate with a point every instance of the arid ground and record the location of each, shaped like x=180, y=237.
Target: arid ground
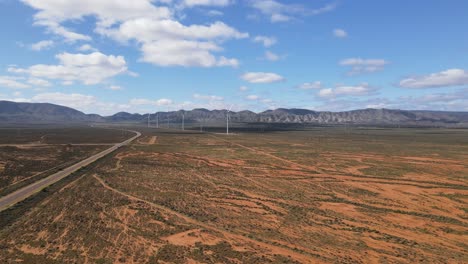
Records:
x=29, y=154
x=325, y=195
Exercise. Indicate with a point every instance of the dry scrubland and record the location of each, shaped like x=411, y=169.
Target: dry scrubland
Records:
x=29, y=154
x=324, y=195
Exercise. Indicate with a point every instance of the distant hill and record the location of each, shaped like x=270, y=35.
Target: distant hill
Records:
x=302, y=116
x=124, y=117
x=11, y=112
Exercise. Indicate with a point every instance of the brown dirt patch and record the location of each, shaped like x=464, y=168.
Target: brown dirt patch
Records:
x=32, y=250
x=152, y=140
x=190, y=237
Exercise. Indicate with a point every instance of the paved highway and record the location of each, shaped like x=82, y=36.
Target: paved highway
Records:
x=25, y=192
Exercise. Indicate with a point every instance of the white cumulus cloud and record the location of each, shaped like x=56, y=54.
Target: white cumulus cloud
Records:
x=191, y=3
x=311, y=85
x=271, y=56
x=13, y=82
x=447, y=78
x=51, y=13
x=39, y=82
x=252, y=97
x=82, y=102
x=88, y=69
x=73, y=100
x=184, y=53
x=169, y=43
x=340, y=33
x=214, y=13
x=86, y=47
x=266, y=41
x=42, y=45
x=152, y=24
x=360, y=66
x=115, y=88
x=363, y=89
x=262, y=77
x=279, y=12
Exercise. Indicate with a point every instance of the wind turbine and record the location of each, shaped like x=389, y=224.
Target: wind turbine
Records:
x=183, y=120
x=148, y=120
x=227, y=120
x=157, y=120
x=167, y=117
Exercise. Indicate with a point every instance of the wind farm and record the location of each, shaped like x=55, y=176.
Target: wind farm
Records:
x=307, y=194
x=233, y=131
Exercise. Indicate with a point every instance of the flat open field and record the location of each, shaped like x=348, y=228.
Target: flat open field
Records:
x=29, y=154
x=38, y=135
x=324, y=195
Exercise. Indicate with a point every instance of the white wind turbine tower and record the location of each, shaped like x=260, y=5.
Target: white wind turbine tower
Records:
x=157, y=120
x=227, y=120
x=148, y=120
x=183, y=120
x=167, y=119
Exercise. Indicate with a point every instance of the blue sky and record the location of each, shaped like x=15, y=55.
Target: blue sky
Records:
x=106, y=56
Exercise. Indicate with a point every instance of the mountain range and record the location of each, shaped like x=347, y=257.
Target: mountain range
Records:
x=37, y=113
